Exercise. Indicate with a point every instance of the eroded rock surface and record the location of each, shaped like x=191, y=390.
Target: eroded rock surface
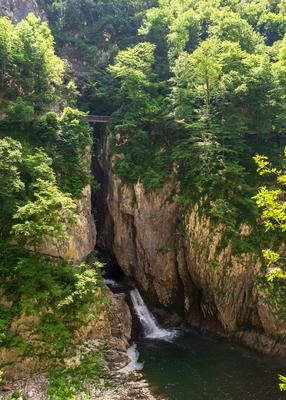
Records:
x=139, y=230
x=16, y=10
x=111, y=331
x=81, y=237
x=190, y=269
x=111, y=327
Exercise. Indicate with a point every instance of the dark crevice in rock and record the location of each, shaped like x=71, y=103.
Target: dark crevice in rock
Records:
x=104, y=221
x=111, y=270
x=99, y=203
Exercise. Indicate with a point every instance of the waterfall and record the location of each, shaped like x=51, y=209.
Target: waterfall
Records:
x=149, y=324
x=112, y=283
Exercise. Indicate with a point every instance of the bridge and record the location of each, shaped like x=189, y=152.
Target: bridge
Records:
x=98, y=119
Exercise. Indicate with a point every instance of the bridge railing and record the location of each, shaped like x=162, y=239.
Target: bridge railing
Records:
x=101, y=119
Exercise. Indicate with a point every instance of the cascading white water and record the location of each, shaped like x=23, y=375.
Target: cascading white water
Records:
x=112, y=283
x=134, y=364
x=150, y=326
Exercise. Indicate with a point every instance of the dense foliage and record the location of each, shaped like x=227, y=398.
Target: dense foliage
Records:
x=29, y=66
x=42, y=161
x=219, y=92
x=44, y=165
x=271, y=200
x=90, y=33
x=196, y=88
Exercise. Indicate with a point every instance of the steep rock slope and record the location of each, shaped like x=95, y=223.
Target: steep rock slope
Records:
x=19, y=9
x=139, y=230
x=111, y=327
x=82, y=237
x=186, y=268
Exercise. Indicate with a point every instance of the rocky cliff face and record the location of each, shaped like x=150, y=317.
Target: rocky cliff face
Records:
x=19, y=9
x=111, y=328
x=139, y=230
x=212, y=286
x=81, y=237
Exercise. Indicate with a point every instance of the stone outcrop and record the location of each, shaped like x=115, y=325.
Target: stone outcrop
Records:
x=227, y=287
x=81, y=237
x=139, y=230
x=110, y=328
x=19, y=9
x=108, y=332
x=186, y=269
x=113, y=325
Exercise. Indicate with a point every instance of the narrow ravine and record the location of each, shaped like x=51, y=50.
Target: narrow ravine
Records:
x=145, y=139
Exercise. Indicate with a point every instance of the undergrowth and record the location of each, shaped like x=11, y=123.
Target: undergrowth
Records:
x=67, y=383
x=58, y=296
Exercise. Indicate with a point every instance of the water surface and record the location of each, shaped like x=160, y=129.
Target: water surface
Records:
x=194, y=367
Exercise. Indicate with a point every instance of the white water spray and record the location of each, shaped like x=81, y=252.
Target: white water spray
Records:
x=112, y=283
x=134, y=364
x=149, y=324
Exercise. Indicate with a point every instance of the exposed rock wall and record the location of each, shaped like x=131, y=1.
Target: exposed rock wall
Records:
x=111, y=327
x=187, y=269
x=139, y=230
x=228, y=290
x=19, y=9
x=81, y=237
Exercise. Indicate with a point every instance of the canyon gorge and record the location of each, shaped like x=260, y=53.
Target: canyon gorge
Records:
x=193, y=249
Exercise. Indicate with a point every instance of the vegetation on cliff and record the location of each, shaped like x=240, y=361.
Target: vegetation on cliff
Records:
x=44, y=165
x=196, y=89
x=272, y=202
x=220, y=92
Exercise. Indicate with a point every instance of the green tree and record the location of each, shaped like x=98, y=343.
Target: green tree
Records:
x=45, y=217
x=93, y=31
x=19, y=117
x=134, y=67
x=6, y=41
x=12, y=186
x=226, y=25
x=35, y=211
x=138, y=124
x=30, y=67
x=71, y=158
x=272, y=202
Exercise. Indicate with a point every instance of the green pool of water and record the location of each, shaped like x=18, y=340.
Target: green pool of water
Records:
x=200, y=368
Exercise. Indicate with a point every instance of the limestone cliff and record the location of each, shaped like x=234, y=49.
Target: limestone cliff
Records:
x=139, y=230
x=19, y=9
x=186, y=268
x=81, y=237
x=111, y=327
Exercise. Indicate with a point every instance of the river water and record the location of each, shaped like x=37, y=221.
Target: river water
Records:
x=194, y=367
x=189, y=366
